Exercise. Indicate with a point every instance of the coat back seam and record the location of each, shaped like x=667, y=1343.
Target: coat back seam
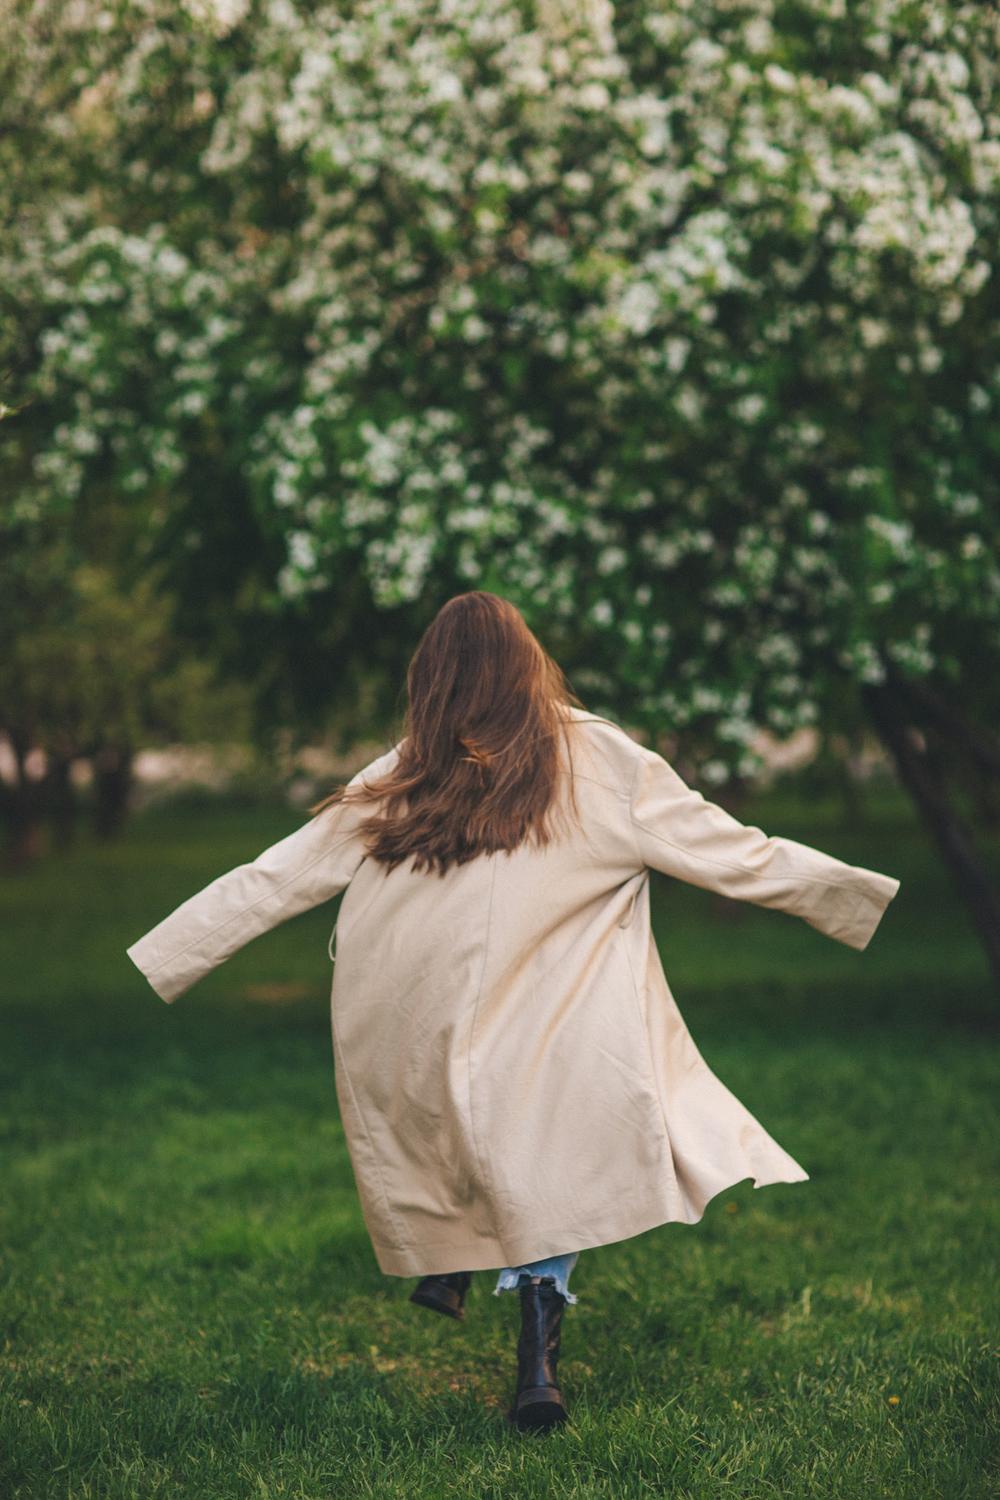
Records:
x=487, y=1182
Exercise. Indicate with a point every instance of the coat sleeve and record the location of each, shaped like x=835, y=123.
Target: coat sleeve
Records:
x=682, y=834
x=309, y=866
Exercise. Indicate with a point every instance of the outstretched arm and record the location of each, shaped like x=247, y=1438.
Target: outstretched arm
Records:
x=682, y=834
x=309, y=866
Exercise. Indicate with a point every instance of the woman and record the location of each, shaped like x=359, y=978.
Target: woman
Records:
x=515, y=1080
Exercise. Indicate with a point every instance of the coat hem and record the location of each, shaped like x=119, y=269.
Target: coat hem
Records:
x=485, y=1253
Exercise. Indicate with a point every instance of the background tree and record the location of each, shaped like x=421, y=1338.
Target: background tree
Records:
x=98, y=676
x=678, y=325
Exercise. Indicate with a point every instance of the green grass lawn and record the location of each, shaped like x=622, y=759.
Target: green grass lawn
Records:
x=191, y=1307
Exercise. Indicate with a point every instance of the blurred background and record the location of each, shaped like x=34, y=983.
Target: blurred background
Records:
x=678, y=325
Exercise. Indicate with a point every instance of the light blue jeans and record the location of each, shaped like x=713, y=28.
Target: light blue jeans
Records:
x=556, y=1266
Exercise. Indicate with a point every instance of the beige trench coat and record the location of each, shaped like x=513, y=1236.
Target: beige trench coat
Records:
x=514, y=1077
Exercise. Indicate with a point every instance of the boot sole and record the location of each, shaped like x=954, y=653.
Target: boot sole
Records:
x=540, y=1407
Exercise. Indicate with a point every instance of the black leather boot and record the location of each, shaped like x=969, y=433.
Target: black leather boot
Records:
x=538, y=1401
x=445, y=1294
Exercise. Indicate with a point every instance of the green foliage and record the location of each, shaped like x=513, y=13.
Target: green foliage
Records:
x=678, y=325
x=90, y=658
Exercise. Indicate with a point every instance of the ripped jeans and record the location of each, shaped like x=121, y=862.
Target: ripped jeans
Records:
x=556, y=1266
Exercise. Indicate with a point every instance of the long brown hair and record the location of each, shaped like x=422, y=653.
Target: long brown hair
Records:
x=479, y=766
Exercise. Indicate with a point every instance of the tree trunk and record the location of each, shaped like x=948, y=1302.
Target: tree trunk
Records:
x=22, y=812
x=921, y=772
x=979, y=747
x=61, y=801
x=112, y=784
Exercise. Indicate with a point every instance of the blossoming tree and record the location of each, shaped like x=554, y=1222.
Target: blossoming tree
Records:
x=677, y=323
